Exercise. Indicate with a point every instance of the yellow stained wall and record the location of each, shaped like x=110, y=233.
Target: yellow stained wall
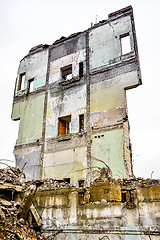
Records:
x=108, y=99
x=106, y=95
x=68, y=163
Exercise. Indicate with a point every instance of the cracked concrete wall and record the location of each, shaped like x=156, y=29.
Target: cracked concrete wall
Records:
x=68, y=154
x=34, y=66
x=30, y=113
x=108, y=104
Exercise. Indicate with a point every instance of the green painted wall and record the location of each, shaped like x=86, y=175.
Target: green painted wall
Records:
x=108, y=146
x=30, y=113
x=104, y=42
x=38, y=83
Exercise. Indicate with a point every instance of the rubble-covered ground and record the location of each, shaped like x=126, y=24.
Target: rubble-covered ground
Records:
x=12, y=223
x=11, y=226
x=13, y=212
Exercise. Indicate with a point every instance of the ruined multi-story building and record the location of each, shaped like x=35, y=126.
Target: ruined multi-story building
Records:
x=70, y=99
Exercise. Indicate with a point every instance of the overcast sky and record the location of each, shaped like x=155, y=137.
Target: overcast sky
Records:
x=27, y=23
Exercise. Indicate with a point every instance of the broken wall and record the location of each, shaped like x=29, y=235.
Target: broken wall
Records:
x=66, y=98
x=34, y=66
x=105, y=214
x=69, y=102
x=28, y=109
x=73, y=105
x=105, y=53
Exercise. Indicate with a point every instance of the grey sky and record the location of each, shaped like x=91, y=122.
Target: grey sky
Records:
x=27, y=23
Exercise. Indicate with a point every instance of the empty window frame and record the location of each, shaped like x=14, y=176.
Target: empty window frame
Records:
x=64, y=125
x=66, y=180
x=81, y=69
x=30, y=85
x=128, y=197
x=81, y=122
x=67, y=72
x=125, y=44
x=80, y=183
x=21, y=81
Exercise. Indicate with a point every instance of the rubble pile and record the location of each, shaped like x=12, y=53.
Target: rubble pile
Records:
x=135, y=182
x=131, y=181
x=12, y=175
x=50, y=184
x=19, y=218
x=13, y=214
x=12, y=226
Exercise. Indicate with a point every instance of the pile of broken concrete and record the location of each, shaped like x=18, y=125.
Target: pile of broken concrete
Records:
x=16, y=208
x=12, y=223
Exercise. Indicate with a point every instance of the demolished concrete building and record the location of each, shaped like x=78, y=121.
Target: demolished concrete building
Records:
x=70, y=99
x=127, y=209
x=73, y=142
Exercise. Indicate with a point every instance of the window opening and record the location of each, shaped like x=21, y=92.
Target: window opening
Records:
x=67, y=180
x=21, y=81
x=64, y=125
x=128, y=197
x=80, y=183
x=125, y=44
x=81, y=122
x=128, y=143
x=30, y=85
x=67, y=72
x=124, y=197
x=81, y=69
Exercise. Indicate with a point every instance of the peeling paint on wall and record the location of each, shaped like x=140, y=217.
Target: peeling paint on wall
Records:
x=74, y=59
x=34, y=67
x=73, y=100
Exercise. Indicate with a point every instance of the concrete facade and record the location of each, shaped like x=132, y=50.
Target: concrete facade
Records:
x=70, y=99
